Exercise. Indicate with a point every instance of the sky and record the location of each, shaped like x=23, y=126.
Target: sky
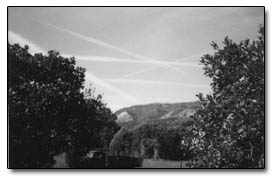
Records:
x=135, y=55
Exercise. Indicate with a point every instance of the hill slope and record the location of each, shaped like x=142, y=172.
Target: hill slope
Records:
x=142, y=114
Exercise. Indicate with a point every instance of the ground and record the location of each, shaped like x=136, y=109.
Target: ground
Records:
x=149, y=163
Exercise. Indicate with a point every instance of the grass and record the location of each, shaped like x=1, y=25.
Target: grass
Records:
x=150, y=163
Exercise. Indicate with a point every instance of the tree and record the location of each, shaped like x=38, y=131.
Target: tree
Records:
x=149, y=148
x=228, y=130
x=48, y=113
x=153, y=139
x=121, y=144
x=170, y=144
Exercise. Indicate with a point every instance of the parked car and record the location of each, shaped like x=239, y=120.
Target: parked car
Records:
x=100, y=159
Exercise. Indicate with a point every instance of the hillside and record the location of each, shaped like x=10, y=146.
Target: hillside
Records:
x=142, y=114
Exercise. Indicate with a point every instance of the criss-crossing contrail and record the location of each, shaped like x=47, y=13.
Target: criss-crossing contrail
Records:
x=110, y=46
x=142, y=81
x=124, y=60
x=16, y=38
x=178, y=62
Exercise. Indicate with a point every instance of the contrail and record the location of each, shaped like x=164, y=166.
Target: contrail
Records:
x=123, y=60
x=194, y=56
x=141, y=81
x=110, y=46
x=16, y=38
x=138, y=72
x=102, y=83
x=179, y=63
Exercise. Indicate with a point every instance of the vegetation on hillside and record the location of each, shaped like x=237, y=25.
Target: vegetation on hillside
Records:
x=228, y=132
x=155, y=139
x=148, y=112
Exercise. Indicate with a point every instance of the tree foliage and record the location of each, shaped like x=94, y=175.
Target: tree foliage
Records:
x=121, y=143
x=156, y=139
x=48, y=112
x=229, y=129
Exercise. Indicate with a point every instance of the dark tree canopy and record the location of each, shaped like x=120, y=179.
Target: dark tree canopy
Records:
x=121, y=143
x=156, y=139
x=48, y=113
x=229, y=129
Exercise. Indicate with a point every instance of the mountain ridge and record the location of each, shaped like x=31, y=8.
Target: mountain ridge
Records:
x=140, y=114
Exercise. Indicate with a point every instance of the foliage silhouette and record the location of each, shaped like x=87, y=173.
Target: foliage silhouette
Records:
x=229, y=129
x=48, y=111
